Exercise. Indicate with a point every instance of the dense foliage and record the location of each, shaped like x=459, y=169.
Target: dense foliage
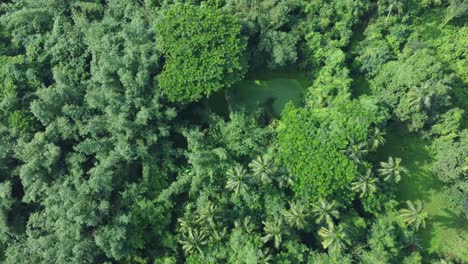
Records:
x=325, y=147
x=204, y=51
x=110, y=152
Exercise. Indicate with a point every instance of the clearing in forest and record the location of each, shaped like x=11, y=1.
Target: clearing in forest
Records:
x=268, y=90
x=445, y=230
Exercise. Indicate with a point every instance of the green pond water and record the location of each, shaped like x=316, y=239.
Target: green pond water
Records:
x=269, y=91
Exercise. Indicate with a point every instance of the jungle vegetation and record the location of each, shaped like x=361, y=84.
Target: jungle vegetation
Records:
x=233, y=131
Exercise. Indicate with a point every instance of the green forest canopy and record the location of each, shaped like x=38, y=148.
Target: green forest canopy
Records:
x=112, y=148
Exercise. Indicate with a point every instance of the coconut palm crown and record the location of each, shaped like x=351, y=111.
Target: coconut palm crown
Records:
x=391, y=170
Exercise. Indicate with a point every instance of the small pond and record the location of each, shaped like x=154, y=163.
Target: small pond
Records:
x=271, y=91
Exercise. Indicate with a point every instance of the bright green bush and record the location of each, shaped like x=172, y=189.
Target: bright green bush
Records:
x=203, y=48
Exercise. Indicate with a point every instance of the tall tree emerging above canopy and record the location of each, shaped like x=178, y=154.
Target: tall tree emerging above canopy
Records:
x=204, y=51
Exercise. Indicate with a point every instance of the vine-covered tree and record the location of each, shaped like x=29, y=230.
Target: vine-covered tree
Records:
x=310, y=142
x=204, y=51
x=238, y=180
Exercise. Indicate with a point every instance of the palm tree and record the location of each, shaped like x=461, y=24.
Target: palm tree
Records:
x=395, y=4
x=264, y=256
x=238, y=180
x=356, y=151
x=274, y=231
x=414, y=215
x=284, y=178
x=334, y=238
x=187, y=225
x=325, y=211
x=245, y=224
x=193, y=241
x=376, y=138
x=420, y=98
x=365, y=184
x=217, y=235
x=263, y=168
x=413, y=242
x=391, y=170
x=296, y=215
x=206, y=214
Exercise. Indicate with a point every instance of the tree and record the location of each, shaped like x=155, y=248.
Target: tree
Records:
x=238, y=180
x=273, y=28
x=413, y=258
x=365, y=184
x=193, y=242
x=203, y=48
x=109, y=152
x=324, y=211
x=280, y=46
x=395, y=4
x=284, y=178
x=245, y=224
x=392, y=170
x=407, y=86
x=327, y=258
x=451, y=163
x=334, y=237
x=329, y=26
x=448, y=128
x=243, y=247
x=6, y=202
x=376, y=138
x=263, y=168
x=414, y=215
x=296, y=215
x=186, y=225
x=274, y=231
x=244, y=135
x=356, y=151
x=264, y=256
x=309, y=144
x=206, y=215
x=102, y=134
x=385, y=240
x=420, y=97
x=16, y=93
x=413, y=242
